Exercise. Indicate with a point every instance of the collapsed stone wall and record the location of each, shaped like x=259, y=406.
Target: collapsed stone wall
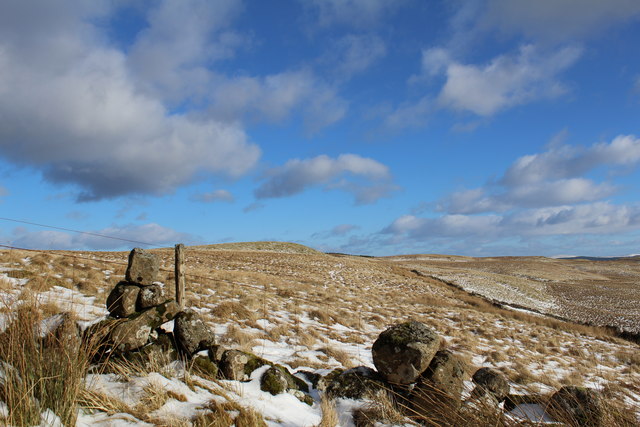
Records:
x=424, y=379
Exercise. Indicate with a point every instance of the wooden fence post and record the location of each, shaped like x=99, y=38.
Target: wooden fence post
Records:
x=179, y=273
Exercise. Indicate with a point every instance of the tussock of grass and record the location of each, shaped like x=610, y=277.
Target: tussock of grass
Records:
x=41, y=373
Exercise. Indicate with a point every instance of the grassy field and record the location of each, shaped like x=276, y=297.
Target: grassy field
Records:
x=304, y=309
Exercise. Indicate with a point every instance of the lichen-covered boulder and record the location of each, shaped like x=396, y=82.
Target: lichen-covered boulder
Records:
x=142, y=268
x=579, y=406
x=216, y=352
x=404, y=351
x=440, y=385
x=439, y=388
x=274, y=381
x=356, y=383
x=121, y=302
x=205, y=365
x=489, y=380
x=322, y=382
x=238, y=365
x=135, y=331
x=191, y=333
x=150, y=296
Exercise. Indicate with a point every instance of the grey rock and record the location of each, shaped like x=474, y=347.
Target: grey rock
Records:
x=404, y=351
x=489, y=380
x=232, y=365
x=578, y=406
x=135, y=331
x=216, y=352
x=356, y=383
x=143, y=267
x=439, y=387
x=238, y=365
x=150, y=296
x=191, y=333
x=121, y=302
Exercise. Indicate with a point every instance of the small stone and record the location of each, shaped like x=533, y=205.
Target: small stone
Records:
x=143, y=267
x=403, y=352
x=121, y=302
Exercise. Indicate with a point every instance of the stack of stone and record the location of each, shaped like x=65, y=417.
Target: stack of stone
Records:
x=138, y=308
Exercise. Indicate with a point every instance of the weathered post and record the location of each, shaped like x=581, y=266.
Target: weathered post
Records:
x=179, y=273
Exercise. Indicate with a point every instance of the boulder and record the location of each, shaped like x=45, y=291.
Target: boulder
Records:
x=404, y=351
x=143, y=267
x=135, y=331
x=439, y=388
x=216, y=352
x=121, y=302
x=274, y=381
x=150, y=296
x=322, y=382
x=491, y=381
x=191, y=333
x=579, y=406
x=356, y=383
x=205, y=365
x=238, y=365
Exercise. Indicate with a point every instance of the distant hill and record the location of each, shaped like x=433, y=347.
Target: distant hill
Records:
x=278, y=247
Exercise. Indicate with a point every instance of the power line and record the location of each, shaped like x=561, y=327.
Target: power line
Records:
x=88, y=233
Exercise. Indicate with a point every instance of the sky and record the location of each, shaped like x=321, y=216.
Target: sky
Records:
x=378, y=127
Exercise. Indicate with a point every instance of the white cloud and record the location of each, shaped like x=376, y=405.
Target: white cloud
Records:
x=566, y=161
x=170, y=56
x=134, y=235
x=69, y=107
x=590, y=218
x=365, y=178
x=559, y=20
x=275, y=97
x=506, y=81
x=213, y=196
x=552, y=178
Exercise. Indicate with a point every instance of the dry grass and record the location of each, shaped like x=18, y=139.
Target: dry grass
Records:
x=39, y=372
x=329, y=414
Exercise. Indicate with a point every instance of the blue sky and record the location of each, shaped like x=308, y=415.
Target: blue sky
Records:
x=488, y=127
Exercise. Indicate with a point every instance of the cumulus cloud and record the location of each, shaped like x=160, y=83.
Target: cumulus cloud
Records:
x=541, y=195
x=213, y=196
x=276, y=97
x=506, y=81
x=366, y=179
x=152, y=234
x=558, y=20
x=589, y=218
x=70, y=107
x=552, y=178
